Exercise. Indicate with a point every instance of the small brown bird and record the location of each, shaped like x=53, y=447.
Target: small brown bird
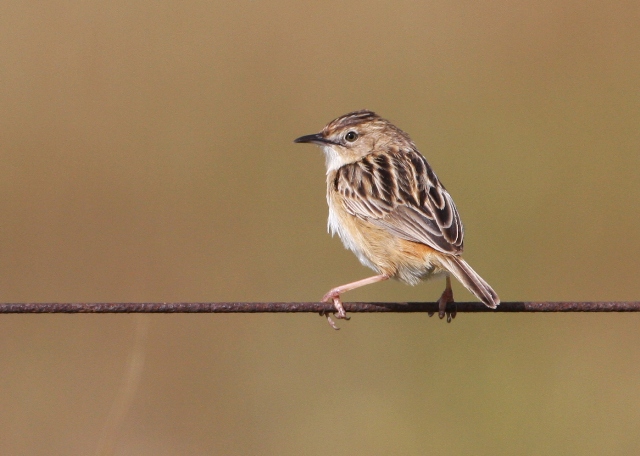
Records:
x=390, y=209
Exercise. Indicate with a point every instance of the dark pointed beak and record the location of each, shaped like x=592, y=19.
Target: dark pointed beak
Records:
x=313, y=139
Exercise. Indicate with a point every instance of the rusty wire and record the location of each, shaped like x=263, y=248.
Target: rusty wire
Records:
x=317, y=307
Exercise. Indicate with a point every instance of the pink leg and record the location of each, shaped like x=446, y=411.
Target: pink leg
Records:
x=446, y=298
x=334, y=295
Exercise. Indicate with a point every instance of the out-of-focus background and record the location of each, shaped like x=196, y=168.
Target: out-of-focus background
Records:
x=146, y=155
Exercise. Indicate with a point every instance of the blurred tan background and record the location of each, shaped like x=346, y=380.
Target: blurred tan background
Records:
x=146, y=155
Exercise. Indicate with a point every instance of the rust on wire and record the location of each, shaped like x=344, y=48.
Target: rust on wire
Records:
x=275, y=307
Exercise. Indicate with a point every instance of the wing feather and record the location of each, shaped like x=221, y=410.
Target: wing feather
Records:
x=398, y=191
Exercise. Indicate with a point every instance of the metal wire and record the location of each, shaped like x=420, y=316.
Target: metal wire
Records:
x=317, y=307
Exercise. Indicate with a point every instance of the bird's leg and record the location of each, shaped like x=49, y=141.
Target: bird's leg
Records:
x=446, y=298
x=333, y=295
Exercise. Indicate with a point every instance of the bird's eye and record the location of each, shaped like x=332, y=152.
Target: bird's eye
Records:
x=351, y=136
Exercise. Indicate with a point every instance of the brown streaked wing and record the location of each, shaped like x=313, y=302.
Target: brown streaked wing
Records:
x=398, y=191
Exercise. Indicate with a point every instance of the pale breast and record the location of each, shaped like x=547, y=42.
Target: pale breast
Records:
x=377, y=248
x=344, y=225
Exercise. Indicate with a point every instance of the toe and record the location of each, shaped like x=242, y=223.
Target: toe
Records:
x=331, y=322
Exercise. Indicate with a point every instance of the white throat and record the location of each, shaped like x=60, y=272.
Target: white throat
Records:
x=333, y=159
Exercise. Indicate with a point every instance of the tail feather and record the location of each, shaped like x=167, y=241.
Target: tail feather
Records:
x=470, y=279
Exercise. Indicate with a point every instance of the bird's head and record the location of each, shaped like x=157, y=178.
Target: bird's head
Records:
x=353, y=136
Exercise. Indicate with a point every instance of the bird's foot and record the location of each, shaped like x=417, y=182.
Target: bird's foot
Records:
x=340, y=313
x=443, y=305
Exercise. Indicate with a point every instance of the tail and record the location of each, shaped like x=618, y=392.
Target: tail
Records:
x=470, y=279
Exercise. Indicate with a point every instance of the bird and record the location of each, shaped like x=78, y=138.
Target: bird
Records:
x=390, y=209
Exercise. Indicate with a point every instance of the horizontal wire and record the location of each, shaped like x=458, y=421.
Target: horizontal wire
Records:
x=317, y=307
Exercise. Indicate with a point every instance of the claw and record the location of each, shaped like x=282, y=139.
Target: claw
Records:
x=445, y=299
x=330, y=321
x=334, y=296
x=340, y=313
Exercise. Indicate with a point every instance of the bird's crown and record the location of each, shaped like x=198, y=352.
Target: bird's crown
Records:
x=352, y=119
